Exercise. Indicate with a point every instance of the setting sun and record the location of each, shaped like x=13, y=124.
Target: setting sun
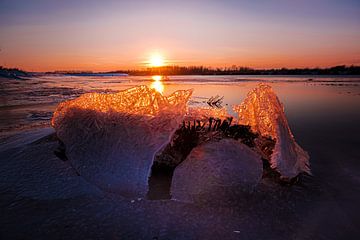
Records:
x=156, y=61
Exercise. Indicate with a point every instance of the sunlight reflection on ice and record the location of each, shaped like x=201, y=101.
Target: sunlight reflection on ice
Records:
x=157, y=83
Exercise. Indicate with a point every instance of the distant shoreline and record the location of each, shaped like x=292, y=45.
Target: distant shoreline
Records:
x=14, y=73
x=206, y=71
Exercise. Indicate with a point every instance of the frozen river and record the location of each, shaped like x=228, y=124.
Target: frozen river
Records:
x=322, y=111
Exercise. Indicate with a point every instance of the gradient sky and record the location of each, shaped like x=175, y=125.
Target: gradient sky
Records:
x=39, y=35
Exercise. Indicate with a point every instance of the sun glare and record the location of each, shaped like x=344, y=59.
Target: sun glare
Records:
x=156, y=61
x=157, y=84
x=157, y=78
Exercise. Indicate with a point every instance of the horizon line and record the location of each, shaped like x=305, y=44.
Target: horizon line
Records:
x=212, y=68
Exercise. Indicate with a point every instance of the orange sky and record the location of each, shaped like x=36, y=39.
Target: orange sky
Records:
x=91, y=35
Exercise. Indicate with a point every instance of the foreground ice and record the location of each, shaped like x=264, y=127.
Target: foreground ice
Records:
x=74, y=209
x=216, y=170
x=24, y=138
x=263, y=111
x=30, y=169
x=111, y=139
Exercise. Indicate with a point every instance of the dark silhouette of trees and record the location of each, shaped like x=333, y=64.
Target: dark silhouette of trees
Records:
x=201, y=70
x=238, y=70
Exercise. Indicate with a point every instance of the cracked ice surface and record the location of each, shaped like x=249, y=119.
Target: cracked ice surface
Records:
x=263, y=111
x=111, y=139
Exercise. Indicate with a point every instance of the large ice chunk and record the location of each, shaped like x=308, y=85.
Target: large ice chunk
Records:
x=263, y=111
x=216, y=170
x=111, y=139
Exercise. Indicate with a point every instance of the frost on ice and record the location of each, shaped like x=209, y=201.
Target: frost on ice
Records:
x=111, y=139
x=263, y=111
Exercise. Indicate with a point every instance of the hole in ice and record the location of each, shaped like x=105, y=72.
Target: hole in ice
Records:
x=160, y=181
x=166, y=160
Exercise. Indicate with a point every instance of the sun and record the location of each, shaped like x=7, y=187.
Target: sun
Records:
x=156, y=61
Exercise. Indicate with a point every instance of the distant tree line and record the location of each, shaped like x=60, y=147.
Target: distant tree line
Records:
x=235, y=70
x=201, y=70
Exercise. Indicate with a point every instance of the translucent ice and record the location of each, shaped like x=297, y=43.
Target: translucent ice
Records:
x=263, y=111
x=216, y=170
x=111, y=139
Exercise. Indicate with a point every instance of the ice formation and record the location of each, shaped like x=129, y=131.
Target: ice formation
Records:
x=215, y=170
x=263, y=111
x=111, y=139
